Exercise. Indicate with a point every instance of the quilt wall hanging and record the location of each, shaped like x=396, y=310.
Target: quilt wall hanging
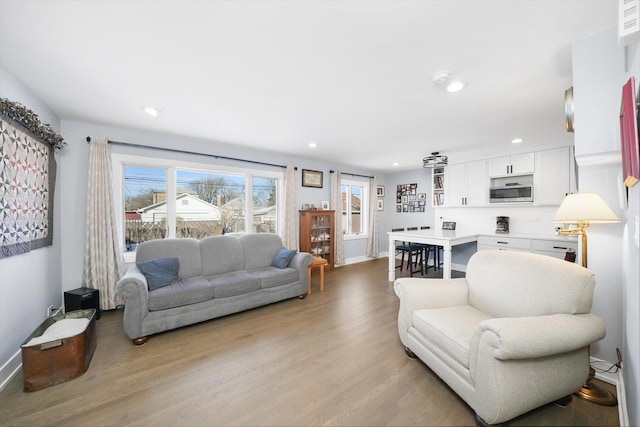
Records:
x=27, y=179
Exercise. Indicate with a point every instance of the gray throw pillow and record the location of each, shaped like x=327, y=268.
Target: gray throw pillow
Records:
x=283, y=258
x=160, y=272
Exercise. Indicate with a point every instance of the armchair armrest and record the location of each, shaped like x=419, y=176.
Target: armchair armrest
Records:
x=419, y=293
x=539, y=336
x=416, y=294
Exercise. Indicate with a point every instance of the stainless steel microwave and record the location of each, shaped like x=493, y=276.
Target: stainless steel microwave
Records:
x=511, y=194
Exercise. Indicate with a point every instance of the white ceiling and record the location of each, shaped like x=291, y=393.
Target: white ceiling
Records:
x=354, y=76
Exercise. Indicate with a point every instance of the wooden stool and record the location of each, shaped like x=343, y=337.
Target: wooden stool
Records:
x=320, y=263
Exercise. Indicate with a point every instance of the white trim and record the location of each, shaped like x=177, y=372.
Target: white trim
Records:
x=10, y=369
x=617, y=380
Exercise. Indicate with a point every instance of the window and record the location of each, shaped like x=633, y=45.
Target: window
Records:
x=168, y=199
x=355, y=208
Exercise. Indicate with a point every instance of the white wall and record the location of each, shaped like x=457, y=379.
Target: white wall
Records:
x=30, y=282
x=600, y=68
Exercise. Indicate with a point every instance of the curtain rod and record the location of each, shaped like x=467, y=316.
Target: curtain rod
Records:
x=173, y=150
x=354, y=174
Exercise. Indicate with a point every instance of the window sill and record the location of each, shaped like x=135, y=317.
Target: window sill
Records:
x=355, y=237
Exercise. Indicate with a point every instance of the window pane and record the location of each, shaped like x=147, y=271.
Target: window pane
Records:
x=356, y=208
x=265, y=205
x=208, y=204
x=145, y=208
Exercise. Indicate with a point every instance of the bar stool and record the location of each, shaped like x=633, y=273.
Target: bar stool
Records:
x=409, y=249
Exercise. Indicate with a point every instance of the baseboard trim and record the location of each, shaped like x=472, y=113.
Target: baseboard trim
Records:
x=617, y=380
x=10, y=369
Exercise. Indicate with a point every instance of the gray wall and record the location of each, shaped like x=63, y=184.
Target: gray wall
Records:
x=30, y=282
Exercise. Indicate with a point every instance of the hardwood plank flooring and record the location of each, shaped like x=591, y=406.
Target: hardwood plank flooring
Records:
x=332, y=359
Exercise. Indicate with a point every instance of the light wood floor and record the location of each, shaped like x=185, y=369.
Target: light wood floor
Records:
x=331, y=359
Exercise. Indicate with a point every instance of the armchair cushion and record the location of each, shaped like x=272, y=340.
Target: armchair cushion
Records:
x=451, y=328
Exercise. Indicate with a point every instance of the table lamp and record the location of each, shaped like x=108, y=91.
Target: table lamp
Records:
x=581, y=209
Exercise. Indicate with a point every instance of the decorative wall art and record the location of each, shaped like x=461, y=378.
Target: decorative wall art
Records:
x=311, y=178
x=27, y=179
x=629, y=135
x=409, y=200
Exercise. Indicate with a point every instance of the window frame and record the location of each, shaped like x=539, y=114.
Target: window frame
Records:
x=364, y=208
x=120, y=160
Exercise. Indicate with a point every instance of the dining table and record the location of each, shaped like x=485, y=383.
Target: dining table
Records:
x=447, y=239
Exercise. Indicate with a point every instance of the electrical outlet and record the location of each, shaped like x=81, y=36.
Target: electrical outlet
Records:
x=50, y=310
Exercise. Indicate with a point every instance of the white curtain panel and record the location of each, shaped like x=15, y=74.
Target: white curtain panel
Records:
x=372, y=234
x=290, y=230
x=103, y=263
x=336, y=205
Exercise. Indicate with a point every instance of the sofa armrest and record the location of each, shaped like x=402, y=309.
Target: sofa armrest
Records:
x=132, y=288
x=540, y=336
x=301, y=262
x=416, y=294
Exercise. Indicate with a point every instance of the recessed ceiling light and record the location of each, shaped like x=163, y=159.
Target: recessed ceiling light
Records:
x=396, y=164
x=516, y=140
x=455, y=86
x=151, y=111
x=312, y=145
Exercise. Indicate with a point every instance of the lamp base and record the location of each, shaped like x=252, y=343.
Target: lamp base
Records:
x=595, y=393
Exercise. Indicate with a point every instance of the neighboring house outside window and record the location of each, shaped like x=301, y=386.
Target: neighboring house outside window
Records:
x=180, y=200
x=355, y=208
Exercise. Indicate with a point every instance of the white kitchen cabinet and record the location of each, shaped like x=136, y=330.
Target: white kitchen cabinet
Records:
x=466, y=184
x=556, y=248
x=554, y=177
x=520, y=164
x=504, y=243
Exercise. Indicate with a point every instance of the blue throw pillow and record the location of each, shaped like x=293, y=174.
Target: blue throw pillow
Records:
x=283, y=258
x=160, y=272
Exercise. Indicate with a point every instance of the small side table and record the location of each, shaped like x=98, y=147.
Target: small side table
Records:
x=81, y=298
x=320, y=263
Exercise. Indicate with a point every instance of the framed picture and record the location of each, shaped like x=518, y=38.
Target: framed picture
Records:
x=448, y=225
x=380, y=191
x=629, y=135
x=380, y=204
x=325, y=205
x=398, y=208
x=311, y=178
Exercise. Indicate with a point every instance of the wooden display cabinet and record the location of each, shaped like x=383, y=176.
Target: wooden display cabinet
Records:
x=317, y=233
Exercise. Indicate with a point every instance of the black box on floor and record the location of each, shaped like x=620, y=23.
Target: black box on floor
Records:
x=81, y=298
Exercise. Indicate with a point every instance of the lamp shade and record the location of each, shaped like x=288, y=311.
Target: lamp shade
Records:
x=584, y=207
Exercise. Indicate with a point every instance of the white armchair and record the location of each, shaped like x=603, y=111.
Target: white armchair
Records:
x=511, y=336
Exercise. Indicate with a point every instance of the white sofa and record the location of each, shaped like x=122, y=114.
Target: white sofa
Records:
x=511, y=336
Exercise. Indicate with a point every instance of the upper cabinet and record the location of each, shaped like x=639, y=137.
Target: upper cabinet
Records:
x=554, y=177
x=466, y=184
x=438, y=187
x=521, y=164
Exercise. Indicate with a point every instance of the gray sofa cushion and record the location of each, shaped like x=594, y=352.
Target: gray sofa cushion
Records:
x=283, y=258
x=221, y=254
x=259, y=249
x=233, y=283
x=186, y=250
x=271, y=277
x=183, y=292
x=160, y=272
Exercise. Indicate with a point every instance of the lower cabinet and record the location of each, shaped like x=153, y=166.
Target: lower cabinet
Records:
x=556, y=248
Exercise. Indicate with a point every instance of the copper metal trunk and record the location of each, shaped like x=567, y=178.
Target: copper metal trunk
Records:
x=58, y=361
